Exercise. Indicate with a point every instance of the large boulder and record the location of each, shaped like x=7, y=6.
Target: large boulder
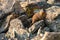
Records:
x=52, y=12
x=6, y=5
x=2, y=36
x=53, y=17
x=51, y=36
x=36, y=26
x=51, y=1
x=16, y=30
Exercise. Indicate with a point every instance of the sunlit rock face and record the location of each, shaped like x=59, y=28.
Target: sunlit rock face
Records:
x=6, y=5
x=51, y=1
x=16, y=29
x=53, y=18
x=52, y=12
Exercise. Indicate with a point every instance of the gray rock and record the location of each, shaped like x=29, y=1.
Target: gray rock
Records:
x=51, y=1
x=51, y=36
x=16, y=30
x=21, y=34
x=52, y=12
x=2, y=36
x=14, y=25
x=26, y=22
x=36, y=26
x=17, y=8
x=54, y=25
x=38, y=37
x=12, y=39
x=6, y=5
x=53, y=18
x=4, y=27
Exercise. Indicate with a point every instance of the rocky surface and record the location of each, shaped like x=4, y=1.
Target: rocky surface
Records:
x=21, y=28
x=52, y=12
x=51, y=36
x=6, y=5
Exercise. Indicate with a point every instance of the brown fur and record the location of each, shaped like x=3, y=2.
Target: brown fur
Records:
x=38, y=16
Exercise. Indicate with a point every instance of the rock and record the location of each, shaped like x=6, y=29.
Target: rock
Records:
x=26, y=22
x=4, y=27
x=38, y=37
x=42, y=0
x=16, y=30
x=6, y=5
x=12, y=39
x=51, y=36
x=2, y=36
x=36, y=26
x=17, y=8
x=41, y=32
x=14, y=25
x=52, y=12
x=52, y=18
x=54, y=25
x=21, y=34
x=52, y=30
x=51, y=1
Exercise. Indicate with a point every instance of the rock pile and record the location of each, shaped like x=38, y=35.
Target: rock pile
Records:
x=20, y=27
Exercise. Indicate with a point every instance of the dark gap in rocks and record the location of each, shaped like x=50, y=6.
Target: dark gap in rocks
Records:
x=26, y=22
x=1, y=22
x=7, y=24
x=6, y=29
x=24, y=13
x=4, y=15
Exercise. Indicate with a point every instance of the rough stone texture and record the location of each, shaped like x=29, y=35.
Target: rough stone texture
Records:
x=6, y=5
x=2, y=36
x=5, y=24
x=51, y=36
x=4, y=27
x=53, y=18
x=17, y=7
x=14, y=25
x=52, y=12
x=21, y=34
x=55, y=25
x=16, y=30
x=38, y=37
x=34, y=32
x=36, y=26
x=51, y=1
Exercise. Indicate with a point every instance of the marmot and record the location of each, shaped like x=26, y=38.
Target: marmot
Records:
x=39, y=16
